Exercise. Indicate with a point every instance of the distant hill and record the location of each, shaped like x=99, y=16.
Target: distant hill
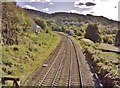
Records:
x=74, y=16
x=62, y=21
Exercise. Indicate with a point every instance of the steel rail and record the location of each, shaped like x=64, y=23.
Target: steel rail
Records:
x=70, y=71
x=78, y=61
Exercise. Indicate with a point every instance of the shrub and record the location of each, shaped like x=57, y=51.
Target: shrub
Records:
x=14, y=21
x=7, y=62
x=42, y=23
x=47, y=31
x=92, y=33
x=8, y=70
x=117, y=39
x=108, y=39
x=15, y=48
x=32, y=47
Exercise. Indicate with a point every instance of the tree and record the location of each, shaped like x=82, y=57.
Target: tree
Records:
x=92, y=33
x=40, y=22
x=117, y=39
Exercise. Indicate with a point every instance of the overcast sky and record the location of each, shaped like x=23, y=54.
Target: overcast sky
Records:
x=106, y=8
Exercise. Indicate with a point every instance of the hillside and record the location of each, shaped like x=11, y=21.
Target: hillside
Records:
x=24, y=45
x=64, y=17
x=62, y=21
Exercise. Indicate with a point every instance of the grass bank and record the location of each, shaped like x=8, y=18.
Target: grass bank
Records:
x=22, y=59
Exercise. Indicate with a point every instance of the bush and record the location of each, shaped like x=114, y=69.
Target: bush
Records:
x=7, y=62
x=24, y=59
x=30, y=55
x=8, y=70
x=117, y=39
x=15, y=48
x=92, y=33
x=14, y=21
x=47, y=31
x=108, y=39
x=40, y=22
x=32, y=47
x=79, y=33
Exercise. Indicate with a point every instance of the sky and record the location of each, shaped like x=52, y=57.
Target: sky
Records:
x=106, y=8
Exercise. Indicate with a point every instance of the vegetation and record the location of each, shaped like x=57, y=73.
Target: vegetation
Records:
x=42, y=23
x=23, y=49
x=92, y=33
x=117, y=39
x=20, y=60
x=14, y=22
x=97, y=30
x=106, y=63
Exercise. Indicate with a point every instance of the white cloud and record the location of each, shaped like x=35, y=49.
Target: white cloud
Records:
x=104, y=8
x=45, y=9
x=30, y=7
x=107, y=9
x=43, y=1
x=73, y=11
x=50, y=3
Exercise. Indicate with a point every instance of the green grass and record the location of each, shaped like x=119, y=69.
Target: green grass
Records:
x=22, y=59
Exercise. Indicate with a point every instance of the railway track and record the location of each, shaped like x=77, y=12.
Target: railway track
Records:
x=75, y=78
x=51, y=75
x=63, y=67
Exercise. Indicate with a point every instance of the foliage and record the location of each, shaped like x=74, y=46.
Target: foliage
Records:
x=92, y=33
x=109, y=39
x=117, y=39
x=14, y=21
x=17, y=59
x=105, y=63
x=23, y=50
